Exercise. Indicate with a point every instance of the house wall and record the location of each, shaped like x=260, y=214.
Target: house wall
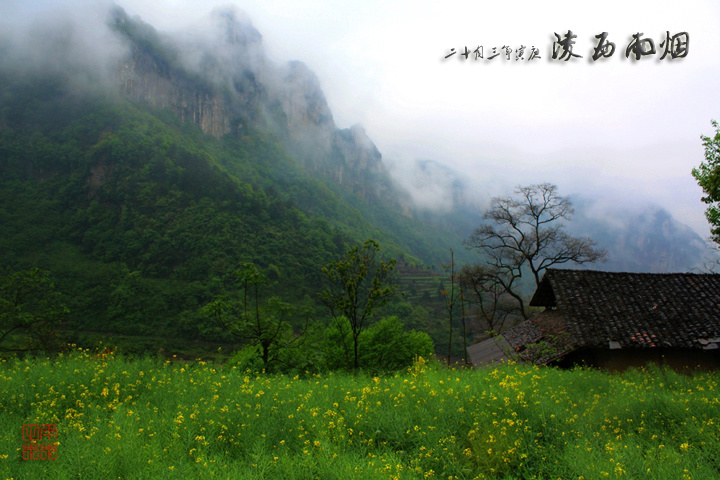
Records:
x=622, y=359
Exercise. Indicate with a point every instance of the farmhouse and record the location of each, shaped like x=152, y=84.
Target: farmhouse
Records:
x=615, y=320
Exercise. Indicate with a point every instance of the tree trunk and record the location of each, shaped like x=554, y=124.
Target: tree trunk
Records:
x=450, y=304
x=355, y=338
x=464, y=331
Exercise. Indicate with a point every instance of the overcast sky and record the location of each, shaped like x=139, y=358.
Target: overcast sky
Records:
x=615, y=128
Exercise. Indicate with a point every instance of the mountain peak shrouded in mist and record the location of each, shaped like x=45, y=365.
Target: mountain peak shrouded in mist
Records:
x=216, y=75
x=437, y=187
x=236, y=26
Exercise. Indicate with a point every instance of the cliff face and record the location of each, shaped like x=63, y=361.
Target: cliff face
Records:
x=347, y=156
x=359, y=164
x=220, y=80
x=303, y=115
x=143, y=80
x=180, y=76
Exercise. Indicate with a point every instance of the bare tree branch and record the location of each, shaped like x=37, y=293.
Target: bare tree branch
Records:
x=527, y=232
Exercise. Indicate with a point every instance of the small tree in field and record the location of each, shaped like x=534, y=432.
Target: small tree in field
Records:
x=356, y=285
x=265, y=325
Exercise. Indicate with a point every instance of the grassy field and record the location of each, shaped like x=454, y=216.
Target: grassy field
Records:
x=148, y=418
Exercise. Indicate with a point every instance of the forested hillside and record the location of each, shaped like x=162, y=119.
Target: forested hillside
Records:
x=141, y=218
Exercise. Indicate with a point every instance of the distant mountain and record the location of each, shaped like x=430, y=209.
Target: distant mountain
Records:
x=644, y=239
x=637, y=238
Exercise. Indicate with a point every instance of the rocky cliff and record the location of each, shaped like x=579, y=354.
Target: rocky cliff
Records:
x=219, y=78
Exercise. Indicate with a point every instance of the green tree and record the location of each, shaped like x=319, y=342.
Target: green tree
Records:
x=384, y=346
x=30, y=308
x=387, y=346
x=708, y=177
x=265, y=325
x=356, y=285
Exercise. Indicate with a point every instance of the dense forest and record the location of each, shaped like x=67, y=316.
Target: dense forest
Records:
x=142, y=219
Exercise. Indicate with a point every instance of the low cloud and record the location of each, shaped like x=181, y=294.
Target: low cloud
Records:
x=62, y=37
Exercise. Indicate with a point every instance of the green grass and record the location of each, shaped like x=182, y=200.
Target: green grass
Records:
x=148, y=418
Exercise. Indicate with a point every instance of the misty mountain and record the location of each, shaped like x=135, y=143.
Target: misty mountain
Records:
x=637, y=238
x=145, y=171
x=640, y=239
x=219, y=78
x=436, y=187
x=143, y=178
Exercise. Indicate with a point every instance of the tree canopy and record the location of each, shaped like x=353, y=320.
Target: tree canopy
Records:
x=31, y=309
x=356, y=285
x=708, y=177
x=265, y=324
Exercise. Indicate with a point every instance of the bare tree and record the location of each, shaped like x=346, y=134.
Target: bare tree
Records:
x=488, y=296
x=526, y=232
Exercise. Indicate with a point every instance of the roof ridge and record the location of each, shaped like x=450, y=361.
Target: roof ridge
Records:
x=605, y=272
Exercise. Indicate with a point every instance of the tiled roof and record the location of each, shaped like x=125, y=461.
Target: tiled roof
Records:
x=491, y=350
x=549, y=327
x=633, y=310
x=522, y=342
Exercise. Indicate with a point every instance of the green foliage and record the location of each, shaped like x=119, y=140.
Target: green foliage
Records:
x=30, y=309
x=140, y=216
x=144, y=418
x=248, y=358
x=117, y=188
x=708, y=177
x=265, y=324
x=337, y=345
x=386, y=346
x=356, y=285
